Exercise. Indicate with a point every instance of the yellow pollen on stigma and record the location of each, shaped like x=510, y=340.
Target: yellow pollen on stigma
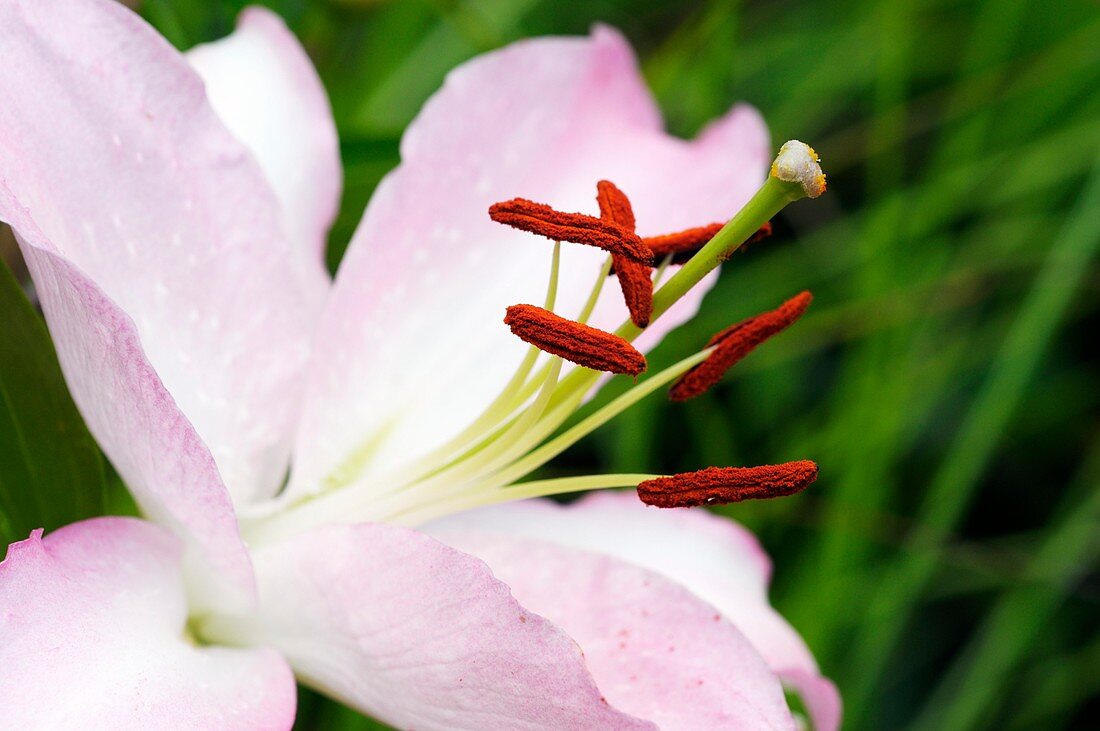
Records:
x=521, y=429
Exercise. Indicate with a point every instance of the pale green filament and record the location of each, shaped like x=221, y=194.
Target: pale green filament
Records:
x=490, y=484
x=586, y=426
x=594, y=295
x=552, y=286
x=511, y=396
x=522, y=491
x=478, y=479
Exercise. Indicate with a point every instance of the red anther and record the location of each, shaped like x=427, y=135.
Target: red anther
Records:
x=573, y=341
x=578, y=228
x=683, y=244
x=614, y=205
x=734, y=343
x=688, y=240
x=723, y=485
x=635, y=278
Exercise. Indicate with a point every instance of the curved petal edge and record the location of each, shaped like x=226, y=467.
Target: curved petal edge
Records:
x=417, y=634
x=263, y=86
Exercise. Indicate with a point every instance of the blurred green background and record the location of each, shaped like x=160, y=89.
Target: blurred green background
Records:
x=943, y=569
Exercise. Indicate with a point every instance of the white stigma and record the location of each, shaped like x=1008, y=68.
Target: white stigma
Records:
x=798, y=163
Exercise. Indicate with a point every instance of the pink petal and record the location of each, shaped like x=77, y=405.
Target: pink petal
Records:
x=715, y=558
x=418, y=635
x=115, y=163
x=92, y=623
x=263, y=86
x=656, y=650
x=819, y=695
x=412, y=346
x=168, y=468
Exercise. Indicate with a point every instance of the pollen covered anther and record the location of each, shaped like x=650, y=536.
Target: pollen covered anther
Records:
x=734, y=343
x=723, y=485
x=578, y=343
x=614, y=205
x=541, y=219
x=635, y=278
x=682, y=245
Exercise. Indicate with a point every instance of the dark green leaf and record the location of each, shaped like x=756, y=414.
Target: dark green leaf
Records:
x=315, y=711
x=51, y=471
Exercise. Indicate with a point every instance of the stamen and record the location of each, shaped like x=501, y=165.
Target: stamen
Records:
x=734, y=343
x=635, y=278
x=682, y=245
x=568, y=403
x=578, y=228
x=577, y=343
x=723, y=485
x=499, y=485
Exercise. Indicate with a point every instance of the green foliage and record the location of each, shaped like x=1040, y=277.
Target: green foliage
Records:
x=51, y=472
x=317, y=712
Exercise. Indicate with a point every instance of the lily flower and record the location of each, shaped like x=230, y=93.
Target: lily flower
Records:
x=326, y=469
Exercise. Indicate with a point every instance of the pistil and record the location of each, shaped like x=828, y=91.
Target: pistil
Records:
x=683, y=245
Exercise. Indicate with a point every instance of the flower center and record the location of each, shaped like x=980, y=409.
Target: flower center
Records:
x=521, y=429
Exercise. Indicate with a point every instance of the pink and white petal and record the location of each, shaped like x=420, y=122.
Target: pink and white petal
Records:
x=715, y=558
x=264, y=87
x=417, y=634
x=92, y=635
x=819, y=696
x=411, y=346
x=114, y=161
x=656, y=650
x=168, y=468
